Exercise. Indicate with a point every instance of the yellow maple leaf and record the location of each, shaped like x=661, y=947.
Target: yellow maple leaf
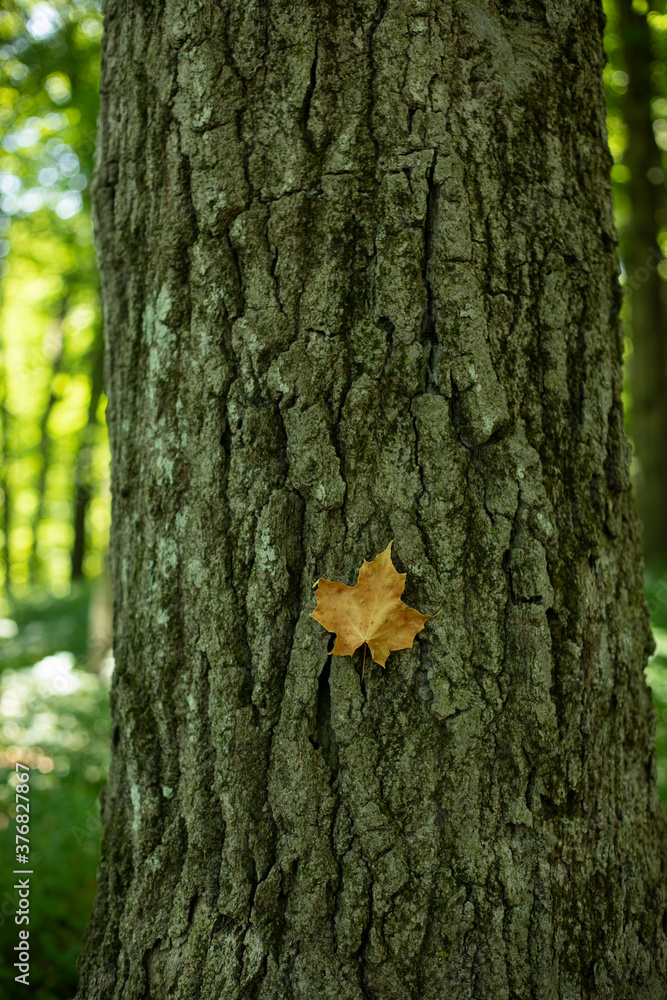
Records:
x=370, y=612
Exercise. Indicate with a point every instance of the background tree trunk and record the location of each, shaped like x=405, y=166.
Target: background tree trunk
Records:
x=82, y=493
x=4, y=473
x=648, y=366
x=360, y=283
x=53, y=348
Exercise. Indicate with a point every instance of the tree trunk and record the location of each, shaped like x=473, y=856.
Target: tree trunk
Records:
x=82, y=492
x=360, y=283
x=53, y=349
x=4, y=473
x=648, y=366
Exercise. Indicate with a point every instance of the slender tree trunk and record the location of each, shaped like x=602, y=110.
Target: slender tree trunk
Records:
x=4, y=473
x=54, y=348
x=360, y=283
x=82, y=493
x=100, y=621
x=648, y=367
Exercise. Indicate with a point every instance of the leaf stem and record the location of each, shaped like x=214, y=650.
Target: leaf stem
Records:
x=363, y=665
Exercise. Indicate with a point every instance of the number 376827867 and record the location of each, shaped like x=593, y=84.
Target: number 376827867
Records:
x=22, y=814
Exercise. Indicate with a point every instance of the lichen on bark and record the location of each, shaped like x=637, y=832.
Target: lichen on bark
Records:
x=360, y=283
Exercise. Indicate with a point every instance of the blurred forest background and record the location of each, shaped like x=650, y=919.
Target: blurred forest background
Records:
x=55, y=656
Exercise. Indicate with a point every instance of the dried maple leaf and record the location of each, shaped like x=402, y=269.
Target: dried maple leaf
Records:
x=371, y=612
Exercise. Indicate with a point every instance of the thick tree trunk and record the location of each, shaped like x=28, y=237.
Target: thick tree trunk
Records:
x=360, y=283
x=648, y=366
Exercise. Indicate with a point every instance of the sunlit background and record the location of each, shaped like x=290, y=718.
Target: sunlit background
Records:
x=55, y=618
x=54, y=604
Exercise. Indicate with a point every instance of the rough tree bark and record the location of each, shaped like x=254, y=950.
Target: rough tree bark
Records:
x=360, y=283
x=648, y=365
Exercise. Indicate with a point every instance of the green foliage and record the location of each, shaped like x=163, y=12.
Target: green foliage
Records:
x=656, y=671
x=54, y=462
x=55, y=716
x=43, y=626
x=616, y=84
x=54, y=448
